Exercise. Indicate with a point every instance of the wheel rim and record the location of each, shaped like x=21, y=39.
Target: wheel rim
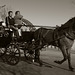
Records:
x=2, y=51
x=13, y=54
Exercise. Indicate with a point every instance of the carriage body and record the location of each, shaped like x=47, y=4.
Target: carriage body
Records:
x=10, y=48
x=27, y=36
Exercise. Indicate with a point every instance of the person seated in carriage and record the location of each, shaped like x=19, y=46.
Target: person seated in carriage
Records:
x=9, y=19
x=20, y=23
x=10, y=23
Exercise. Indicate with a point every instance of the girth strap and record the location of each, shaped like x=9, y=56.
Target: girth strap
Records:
x=55, y=34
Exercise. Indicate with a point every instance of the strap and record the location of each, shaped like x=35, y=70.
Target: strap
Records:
x=7, y=20
x=69, y=36
x=46, y=33
x=55, y=34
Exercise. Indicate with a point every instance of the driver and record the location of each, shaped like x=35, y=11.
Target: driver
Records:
x=21, y=22
x=18, y=18
x=18, y=22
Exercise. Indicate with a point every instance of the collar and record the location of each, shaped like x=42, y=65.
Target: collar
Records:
x=9, y=17
x=69, y=36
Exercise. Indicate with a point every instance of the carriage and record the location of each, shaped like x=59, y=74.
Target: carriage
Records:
x=11, y=46
x=62, y=37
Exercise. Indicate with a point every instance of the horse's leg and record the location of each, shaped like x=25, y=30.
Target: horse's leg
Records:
x=37, y=56
x=63, y=50
x=37, y=53
x=69, y=59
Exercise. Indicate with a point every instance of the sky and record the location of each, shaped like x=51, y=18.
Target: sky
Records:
x=43, y=12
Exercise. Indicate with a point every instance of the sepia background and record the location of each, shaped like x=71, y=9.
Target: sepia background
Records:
x=42, y=13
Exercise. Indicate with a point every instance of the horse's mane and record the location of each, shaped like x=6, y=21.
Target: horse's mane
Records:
x=69, y=23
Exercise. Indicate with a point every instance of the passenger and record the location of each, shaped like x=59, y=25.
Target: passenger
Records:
x=10, y=23
x=10, y=19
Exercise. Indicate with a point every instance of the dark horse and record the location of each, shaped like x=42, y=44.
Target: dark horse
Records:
x=62, y=37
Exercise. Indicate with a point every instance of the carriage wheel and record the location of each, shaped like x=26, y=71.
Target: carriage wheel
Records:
x=2, y=51
x=13, y=54
x=29, y=55
x=29, y=52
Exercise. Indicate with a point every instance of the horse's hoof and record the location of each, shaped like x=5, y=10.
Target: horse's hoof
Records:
x=71, y=69
x=36, y=60
x=58, y=62
x=41, y=64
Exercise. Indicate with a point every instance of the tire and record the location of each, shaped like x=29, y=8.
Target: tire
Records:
x=29, y=55
x=13, y=54
x=29, y=52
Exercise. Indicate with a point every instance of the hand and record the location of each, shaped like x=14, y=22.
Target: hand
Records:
x=8, y=26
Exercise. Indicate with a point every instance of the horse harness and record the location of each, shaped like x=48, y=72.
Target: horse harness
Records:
x=56, y=36
x=54, y=33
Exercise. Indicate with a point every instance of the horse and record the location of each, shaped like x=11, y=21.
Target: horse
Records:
x=62, y=37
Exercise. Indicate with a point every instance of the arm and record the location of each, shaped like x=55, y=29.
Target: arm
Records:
x=27, y=22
